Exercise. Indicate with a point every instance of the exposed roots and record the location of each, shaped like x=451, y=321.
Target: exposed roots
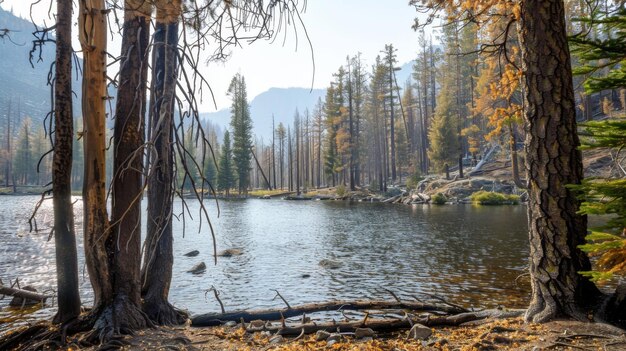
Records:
x=163, y=313
x=122, y=317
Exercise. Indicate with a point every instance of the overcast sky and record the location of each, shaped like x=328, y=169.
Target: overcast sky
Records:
x=337, y=28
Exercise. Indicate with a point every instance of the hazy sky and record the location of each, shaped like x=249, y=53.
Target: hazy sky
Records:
x=337, y=28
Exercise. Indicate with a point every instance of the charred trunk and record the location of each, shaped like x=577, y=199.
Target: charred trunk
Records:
x=158, y=256
x=128, y=151
x=64, y=235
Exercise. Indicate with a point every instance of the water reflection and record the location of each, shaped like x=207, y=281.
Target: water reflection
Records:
x=467, y=254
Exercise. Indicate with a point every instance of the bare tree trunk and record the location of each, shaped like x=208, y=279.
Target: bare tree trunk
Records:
x=128, y=150
x=290, y=158
x=552, y=161
x=92, y=28
x=68, y=297
x=7, y=169
x=297, y=128
x=158, y=260
x=274, y=152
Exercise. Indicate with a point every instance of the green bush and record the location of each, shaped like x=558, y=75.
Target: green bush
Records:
x=413, y=180
x=341, y=190
x=439, y=199
x=492, y=198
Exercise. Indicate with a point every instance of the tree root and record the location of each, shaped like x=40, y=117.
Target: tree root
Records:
x=163, y=313
x=122, y=317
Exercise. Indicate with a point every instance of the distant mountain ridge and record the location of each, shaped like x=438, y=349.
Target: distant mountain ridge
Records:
x=278, y=102
x=21, y=82
x=27, y=85
x=282, y=104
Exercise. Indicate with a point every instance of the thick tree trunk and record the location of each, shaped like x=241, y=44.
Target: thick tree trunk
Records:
x=515, y=160
x=158, y=256
x=128, y=153
x=552, y=161
x=92, y=27
x=115, y=311
x=64, y=235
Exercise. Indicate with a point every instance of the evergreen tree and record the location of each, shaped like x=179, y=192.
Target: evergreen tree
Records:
x=605, y=196
x=332, y=121
x=443, y=133
x=225, y=175
x=241, y=123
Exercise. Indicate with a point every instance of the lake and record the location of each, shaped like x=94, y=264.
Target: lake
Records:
x=469, y=255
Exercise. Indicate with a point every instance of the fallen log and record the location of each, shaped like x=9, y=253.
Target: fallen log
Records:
x=23, y=294
x=388, y=325
x=213, y=319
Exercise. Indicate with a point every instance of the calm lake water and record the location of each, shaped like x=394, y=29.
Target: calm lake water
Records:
x=470, y=255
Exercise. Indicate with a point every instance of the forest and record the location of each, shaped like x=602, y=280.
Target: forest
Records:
x=536, y=87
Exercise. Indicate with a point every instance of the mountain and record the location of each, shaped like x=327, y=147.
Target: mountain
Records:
x=405, y=72
x=279, y=102
x=23, y=84
x=282, y=104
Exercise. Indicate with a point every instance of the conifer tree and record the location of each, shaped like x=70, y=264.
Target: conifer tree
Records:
x=225, y=175
x=241, y=124
x=602, y=61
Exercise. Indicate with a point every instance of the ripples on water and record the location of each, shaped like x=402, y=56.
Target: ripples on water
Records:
x=467, y=254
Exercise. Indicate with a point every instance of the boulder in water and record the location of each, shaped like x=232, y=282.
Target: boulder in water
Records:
x=230, y=253
x=330, y=264
x=198, y=269
x=193, y=253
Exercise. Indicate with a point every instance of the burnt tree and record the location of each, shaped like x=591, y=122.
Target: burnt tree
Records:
x=64, y=234
x=158, y=260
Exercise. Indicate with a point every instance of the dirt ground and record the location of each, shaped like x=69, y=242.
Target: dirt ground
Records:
x=505, y=334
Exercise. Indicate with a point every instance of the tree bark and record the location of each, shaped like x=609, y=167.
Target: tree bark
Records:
x=92, y=27
x=64, y=234
x=128, y=152
x=552, y=162
x=158, y=256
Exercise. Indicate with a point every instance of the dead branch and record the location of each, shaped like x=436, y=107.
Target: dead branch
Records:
x=211, y=319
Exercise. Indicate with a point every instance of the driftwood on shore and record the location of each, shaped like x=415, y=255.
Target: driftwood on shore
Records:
x=212, y=319
x=23, y=294
x=388, y=325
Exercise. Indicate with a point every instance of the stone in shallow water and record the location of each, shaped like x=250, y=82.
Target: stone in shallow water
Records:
x=198, y=269
x=330, y=264
x=193, y=253
x=230, y=253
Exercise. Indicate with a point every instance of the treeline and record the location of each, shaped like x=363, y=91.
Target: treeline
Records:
x=464, y=97
x=23, y=145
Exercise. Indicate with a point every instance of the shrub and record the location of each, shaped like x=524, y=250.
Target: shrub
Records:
x=341, y=190
x=439, y=199
x=492, y=198
x=413, y=180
